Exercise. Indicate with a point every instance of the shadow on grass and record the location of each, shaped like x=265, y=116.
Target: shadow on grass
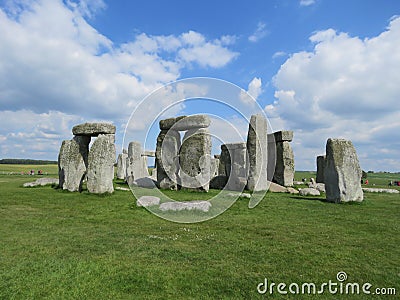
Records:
x=323, y=200
x=312, y=198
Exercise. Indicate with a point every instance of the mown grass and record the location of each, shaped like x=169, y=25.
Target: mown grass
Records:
x=61, y=245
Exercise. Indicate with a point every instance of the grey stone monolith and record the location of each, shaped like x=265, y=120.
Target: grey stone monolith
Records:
x=236, y=167
x=281, y=157
x=167, y=159
x=72, y=163
x=257, y=153
x=136, y=164
x=320, y=168
x=195, y=160
x=342, y=174
x=284, y=165
x=214, y=167
x=121, y=165
x=100, y=171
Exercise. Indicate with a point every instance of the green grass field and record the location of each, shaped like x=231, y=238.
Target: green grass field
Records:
x=60, y=245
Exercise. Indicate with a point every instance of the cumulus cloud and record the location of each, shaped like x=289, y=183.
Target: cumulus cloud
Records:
x=259, y=33
x=254, y=90
x=346, y=87
x=53, y=61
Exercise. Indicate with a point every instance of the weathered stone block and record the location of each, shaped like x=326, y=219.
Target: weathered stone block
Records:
x=284, y=165
x=121, y=165
x=192, y=122
x=167, y=159
x=283, y=136
x=93, y=129
x=136, y=164
x=72, y=163
x=195, y=159
x=342, y=174
x=257, y=152
x=100, y=172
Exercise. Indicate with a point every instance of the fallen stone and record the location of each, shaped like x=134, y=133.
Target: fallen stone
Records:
x=298, y=182
x=145, y=182
x=147, y=201
x=192, y=122
x=276, y=188
x=93, y=129
x=292, y=190
x=309, y=192
x=342, y=173
x=122, y=188
x=318, y=186
x=240, y=195
x=376, y=190
x=41, y=182
x=189, y=205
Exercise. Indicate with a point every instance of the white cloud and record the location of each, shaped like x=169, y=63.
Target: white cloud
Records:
x=279, y=54
x=259, y=33
x=347, y=87
x=53, y=61
x=307, y=2
x=254, y=90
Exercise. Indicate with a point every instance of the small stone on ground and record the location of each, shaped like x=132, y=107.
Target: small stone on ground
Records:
x=146, y=201
x=189, y=205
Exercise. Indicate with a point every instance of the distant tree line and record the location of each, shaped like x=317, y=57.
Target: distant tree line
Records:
x=19, y=161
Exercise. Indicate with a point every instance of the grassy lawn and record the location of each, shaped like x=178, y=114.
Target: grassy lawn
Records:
x=61, y=245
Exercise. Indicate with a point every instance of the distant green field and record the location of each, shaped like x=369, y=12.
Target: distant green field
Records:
x=60, y=245
x=18, y=169
x=378, y=180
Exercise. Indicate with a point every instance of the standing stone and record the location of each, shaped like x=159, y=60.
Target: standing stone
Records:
x=236, y=169
x=214, y=167
x=224, y=161
x=342, y=172
x=284, y=168
x=257, y=152
x=101, y=160
x=280, y=154
x=320, y=168
x=136, y=164
x=167, y=160
x=72, y=163
x=195, y=160
x=121, y=165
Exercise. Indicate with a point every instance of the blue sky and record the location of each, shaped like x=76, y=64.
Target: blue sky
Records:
x=321, y=68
